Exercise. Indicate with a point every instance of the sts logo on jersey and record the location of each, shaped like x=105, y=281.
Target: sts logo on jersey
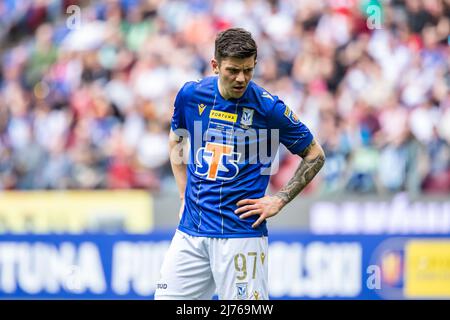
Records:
x=217, y=161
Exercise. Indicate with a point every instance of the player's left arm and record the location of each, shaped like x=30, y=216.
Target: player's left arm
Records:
x=268, y=206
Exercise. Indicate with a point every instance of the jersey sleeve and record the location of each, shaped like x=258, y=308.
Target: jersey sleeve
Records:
x=292, y=132
x=178, y=118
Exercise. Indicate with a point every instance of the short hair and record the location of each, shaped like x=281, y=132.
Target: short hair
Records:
x=235, y=43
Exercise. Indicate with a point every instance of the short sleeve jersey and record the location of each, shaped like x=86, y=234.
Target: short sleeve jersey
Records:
x=233, y=144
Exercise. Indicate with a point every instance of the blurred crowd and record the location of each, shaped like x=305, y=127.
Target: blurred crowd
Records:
x=87, y=103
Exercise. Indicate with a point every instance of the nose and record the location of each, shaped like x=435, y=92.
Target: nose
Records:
x=240, y=77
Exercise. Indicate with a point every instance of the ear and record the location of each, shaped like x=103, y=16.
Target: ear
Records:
x=215, y=66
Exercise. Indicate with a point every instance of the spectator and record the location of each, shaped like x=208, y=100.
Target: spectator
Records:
x=90, y=108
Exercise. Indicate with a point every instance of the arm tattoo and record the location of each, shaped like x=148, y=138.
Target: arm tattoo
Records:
x=305, y=172
x=307, y=149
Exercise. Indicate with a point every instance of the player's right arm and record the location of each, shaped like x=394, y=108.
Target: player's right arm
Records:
x=178, y=141
x=178, y=152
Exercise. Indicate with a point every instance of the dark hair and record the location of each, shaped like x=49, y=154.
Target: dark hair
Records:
x=235, y=43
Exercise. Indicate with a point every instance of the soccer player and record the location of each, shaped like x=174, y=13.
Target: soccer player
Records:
x=229, y=124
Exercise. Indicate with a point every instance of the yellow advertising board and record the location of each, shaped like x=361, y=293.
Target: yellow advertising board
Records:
x=427, y=269
x=76, y=212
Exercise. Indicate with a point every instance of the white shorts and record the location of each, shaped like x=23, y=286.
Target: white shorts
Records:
x=197, y=267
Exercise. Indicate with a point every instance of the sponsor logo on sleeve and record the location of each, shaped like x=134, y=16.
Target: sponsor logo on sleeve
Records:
x=288, y=113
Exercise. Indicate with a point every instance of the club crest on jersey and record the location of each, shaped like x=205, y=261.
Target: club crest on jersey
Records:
x=201, y=108
x=217, y=161
x=288, y=113
x=241, y=291
x=247, y=117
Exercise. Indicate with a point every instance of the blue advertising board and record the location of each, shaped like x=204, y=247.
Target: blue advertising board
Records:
x=301, y=266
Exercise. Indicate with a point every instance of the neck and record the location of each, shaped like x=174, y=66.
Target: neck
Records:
x=221, y=90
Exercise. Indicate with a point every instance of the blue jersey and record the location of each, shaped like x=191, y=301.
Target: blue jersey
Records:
x=232, y=145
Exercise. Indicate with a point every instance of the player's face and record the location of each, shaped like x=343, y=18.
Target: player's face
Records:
x=234, y=75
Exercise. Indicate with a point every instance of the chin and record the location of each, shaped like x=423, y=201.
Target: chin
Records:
x=237, y=94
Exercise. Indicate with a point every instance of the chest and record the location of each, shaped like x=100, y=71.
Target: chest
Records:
x=228, y=115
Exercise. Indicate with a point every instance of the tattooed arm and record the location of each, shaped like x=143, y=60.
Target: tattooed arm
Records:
x=268, y=206
x=313, y=160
